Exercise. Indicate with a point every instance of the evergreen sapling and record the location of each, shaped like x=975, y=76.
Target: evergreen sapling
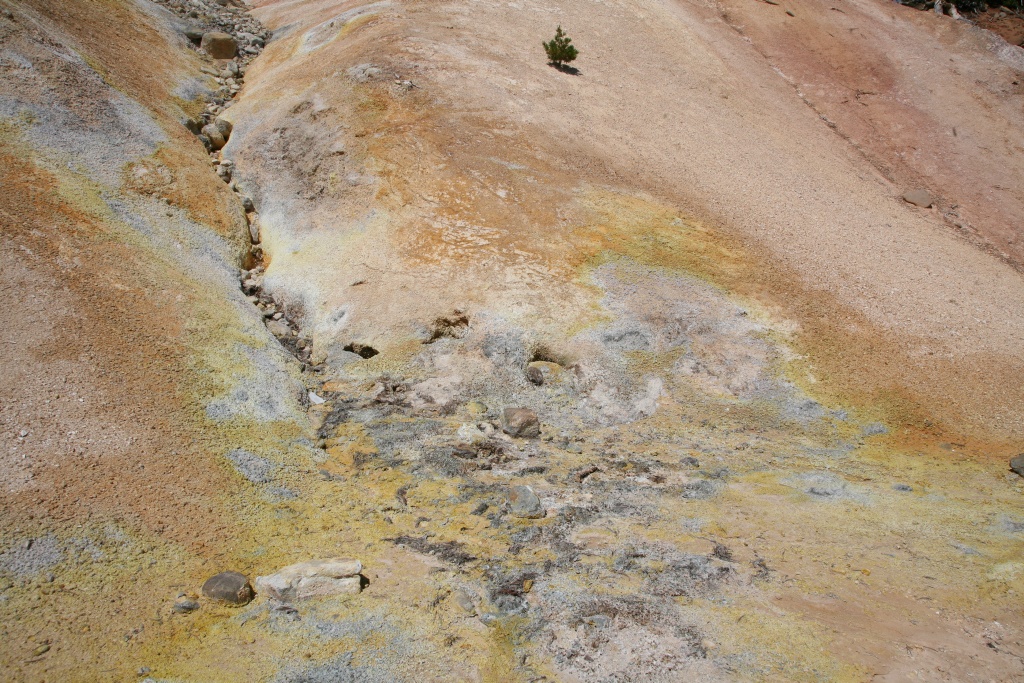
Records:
x=560, y=49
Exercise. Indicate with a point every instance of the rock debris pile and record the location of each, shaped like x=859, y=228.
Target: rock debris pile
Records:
x=227, y=34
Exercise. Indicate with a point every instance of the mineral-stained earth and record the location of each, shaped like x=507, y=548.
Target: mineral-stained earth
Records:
x=354, y=342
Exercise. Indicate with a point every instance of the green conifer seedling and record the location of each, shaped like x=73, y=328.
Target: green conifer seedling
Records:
x=560, y=50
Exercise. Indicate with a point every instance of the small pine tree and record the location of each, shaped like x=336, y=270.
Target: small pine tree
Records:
x=560, y=50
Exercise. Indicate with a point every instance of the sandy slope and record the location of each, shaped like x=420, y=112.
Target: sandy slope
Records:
x=740, y=115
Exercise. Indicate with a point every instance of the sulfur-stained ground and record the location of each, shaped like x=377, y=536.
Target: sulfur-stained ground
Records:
x=776, y=404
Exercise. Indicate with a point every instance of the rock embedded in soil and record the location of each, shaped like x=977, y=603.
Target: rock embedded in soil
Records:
x=185, y=606
x=521, y=423
x=920, y=198
x=230, y=587
x=524, y=503
x=219, y=45
x=541, y=372
x=1017, y=464
x=311, y=579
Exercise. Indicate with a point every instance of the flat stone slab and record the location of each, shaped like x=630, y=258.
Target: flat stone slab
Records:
x=315, y=578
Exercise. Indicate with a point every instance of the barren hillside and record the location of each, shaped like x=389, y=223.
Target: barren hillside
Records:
x=643, y=370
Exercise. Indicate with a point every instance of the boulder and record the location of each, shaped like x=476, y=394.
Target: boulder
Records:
x=213, y=134
x=1017, y=464
x=224, y=126
x=219, y=45
x=523, y=502
x=920, y=198
x=194, y=35
x=230, y=587
x=521, y=423
x=311, y=579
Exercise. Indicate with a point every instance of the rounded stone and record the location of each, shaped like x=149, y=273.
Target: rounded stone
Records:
x=1017, y=464
x=230, y=587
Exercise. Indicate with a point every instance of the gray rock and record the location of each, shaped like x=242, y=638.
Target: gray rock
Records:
x=248, y=205
x=524, y=503
x=251, y=38
x=219, y=45
x=1017, y=464
x=920, y=198
x=230, y=587
x=902, y=487
x=194, y=35
x=185, y=606
x=521, y=423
